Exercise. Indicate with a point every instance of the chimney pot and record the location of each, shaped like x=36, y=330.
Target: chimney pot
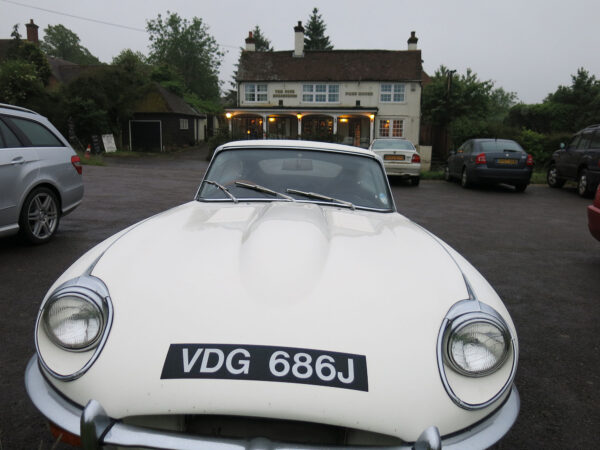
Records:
x=32, y=32
x=299, y=40
x=412, y=41
x=250, y=43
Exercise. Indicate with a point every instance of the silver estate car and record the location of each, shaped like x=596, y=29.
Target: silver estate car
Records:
x=40, y=175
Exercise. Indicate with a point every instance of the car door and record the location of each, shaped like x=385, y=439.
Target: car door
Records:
x=17, y=168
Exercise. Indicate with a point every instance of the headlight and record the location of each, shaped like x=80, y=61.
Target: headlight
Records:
x=477, y=347
x=73, y=321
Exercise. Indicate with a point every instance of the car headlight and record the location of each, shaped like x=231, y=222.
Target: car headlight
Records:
x=75, y=318
x=73, y=321
x=477, y=346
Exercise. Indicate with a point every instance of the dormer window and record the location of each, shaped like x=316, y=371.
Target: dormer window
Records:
x=391, y=93
x=255, y=92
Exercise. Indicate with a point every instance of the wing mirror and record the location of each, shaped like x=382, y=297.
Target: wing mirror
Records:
x=562, y=145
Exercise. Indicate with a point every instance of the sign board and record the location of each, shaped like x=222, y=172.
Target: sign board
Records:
x=96, y=145
x=109, y=143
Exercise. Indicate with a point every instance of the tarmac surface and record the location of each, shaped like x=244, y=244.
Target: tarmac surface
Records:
x=533, y=247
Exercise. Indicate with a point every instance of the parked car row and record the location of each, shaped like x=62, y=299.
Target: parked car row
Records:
x=40, y=175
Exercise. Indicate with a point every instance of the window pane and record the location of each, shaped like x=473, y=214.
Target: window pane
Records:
x=39, y=135
x=334, y=88
x=386, y=97
x=384, y=128
x=307, y=97
x=321, y=88
x=10, y=140
x=261, y=97
x=320, y=97
x=307, y=88
x=334, y=98
x=386, y=88
x=261, y=88
x=398, y=128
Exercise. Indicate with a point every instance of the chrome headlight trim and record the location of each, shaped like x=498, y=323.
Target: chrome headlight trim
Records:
x=88, y=288
x=461, y=313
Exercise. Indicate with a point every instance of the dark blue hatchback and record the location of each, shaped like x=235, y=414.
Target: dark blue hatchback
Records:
x=479, y=161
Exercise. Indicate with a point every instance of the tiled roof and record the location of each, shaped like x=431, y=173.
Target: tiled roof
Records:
x=160, y=100
x=333, y=65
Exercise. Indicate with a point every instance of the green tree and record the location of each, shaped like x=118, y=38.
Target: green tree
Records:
x=466, y=106
x=61, y=42
x=25, y=51
x=19, y=83
x=187, y=46
x=314, y=37
x=260, y=40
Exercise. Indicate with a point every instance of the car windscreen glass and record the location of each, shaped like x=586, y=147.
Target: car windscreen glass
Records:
x=499, y=146
x=392, y=144
x=38, y=135
x=8, y=138
x=595, y=143
x=351, y=178
x=584, y=142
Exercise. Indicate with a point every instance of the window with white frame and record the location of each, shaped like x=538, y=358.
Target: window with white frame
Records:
x=391, y=92
x=391, y=128
x=321, y=93
x=184, y=124
x=255, y=92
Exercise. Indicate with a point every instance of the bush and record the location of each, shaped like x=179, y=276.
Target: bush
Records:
x=221, y=137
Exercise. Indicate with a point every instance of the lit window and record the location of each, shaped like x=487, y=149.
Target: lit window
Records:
x=398, y=128
x=256, y=92
x=391, y=92
x=396, y=125
x=384, y=128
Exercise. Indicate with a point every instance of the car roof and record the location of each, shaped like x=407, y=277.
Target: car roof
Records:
x=14, y=108
x=294, y=144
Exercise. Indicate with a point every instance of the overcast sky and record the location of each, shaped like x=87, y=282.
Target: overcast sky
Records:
x=529, y=47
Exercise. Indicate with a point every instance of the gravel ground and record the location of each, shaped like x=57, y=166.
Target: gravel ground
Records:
x=533, y=247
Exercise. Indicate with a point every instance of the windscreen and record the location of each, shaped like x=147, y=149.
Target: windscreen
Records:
x=392, y=144
x=352, y=178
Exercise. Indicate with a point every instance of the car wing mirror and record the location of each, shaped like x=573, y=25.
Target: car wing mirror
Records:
x=562, y=145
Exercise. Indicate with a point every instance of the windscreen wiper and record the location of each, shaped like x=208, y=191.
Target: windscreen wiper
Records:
x=223, y=188
x=322, y=197
x=259, y=188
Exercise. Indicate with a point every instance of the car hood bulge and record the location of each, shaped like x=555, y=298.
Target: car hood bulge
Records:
x=279, y=274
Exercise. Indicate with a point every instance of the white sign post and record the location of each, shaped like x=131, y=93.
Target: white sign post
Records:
x=109, y=143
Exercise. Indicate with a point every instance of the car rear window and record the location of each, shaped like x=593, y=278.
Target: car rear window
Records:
x=394, y=144
x=38, y=135
x=499, y=146
x=7, y=137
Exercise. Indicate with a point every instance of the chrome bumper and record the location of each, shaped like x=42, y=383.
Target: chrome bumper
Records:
x=97, y=429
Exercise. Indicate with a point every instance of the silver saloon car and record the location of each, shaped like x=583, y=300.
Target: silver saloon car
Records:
x=400, y=158
x=40, y=175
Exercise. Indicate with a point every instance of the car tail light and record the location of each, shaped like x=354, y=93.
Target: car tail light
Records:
x=415, y=158
x=76, y=161
x=480, y=159
x=529, y=160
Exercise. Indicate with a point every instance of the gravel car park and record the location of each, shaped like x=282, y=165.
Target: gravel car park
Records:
x=518, y=247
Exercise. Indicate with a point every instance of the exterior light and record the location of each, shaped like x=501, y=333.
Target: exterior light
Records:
x=247, y=131
x=271, y=119
x=372, y=117
x=343, y=120
x=299, y=116
x=228, y=115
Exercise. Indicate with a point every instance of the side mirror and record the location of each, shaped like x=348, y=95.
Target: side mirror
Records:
x=562, y=145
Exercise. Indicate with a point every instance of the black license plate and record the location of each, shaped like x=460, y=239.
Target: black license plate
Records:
x=265, y=363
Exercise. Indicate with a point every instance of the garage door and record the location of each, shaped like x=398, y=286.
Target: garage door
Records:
x=146, y=135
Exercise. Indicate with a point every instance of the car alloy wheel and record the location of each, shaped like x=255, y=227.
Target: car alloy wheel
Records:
x=447, y=176
x=582, y=184
x=39, y=216
x=464, y=179
x=552, y=177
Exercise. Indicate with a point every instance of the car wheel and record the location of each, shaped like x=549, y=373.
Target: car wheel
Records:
x=520, y=187
x=40, y=216
x=415, y=181
x=447, y=175
x=552, y=177
x=464, y=179
x=583, y=186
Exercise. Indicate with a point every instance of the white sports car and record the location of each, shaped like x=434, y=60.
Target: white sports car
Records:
x=287, y=306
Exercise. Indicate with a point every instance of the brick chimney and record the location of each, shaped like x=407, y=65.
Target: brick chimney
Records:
x=299, y=40
x=250, y=43
x=412, y=41
x=32, y=32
